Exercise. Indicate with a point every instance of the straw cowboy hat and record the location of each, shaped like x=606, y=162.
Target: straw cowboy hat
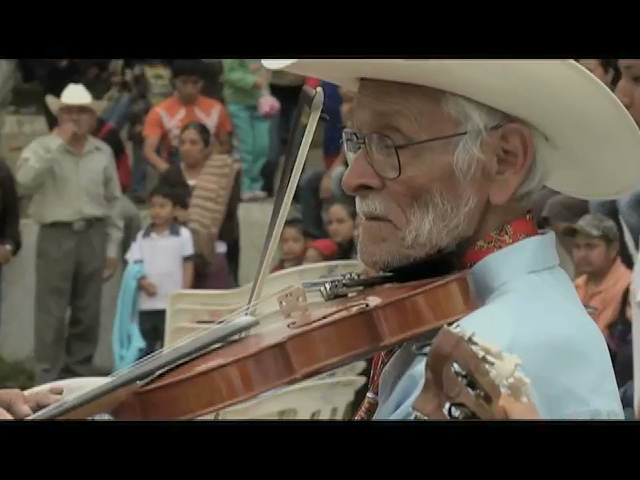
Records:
x=75, y=95
x=583, y=133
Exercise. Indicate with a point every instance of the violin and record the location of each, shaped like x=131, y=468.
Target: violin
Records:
x=306, y=343
x=230, y=363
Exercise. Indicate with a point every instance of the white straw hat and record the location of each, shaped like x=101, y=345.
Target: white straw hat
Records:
x=75, y=95
x=584, y=134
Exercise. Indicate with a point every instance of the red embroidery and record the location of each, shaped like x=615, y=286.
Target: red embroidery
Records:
x=513, y=232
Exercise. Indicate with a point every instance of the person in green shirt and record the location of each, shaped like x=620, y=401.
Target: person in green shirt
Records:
x=245, y=82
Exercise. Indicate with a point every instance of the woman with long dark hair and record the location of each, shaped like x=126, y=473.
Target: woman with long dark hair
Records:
x=197, y=152
x=340, y=218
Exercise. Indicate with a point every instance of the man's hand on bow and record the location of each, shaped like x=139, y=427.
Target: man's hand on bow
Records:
x=15, y=404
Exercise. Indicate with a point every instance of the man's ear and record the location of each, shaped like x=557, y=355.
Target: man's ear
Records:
x=514, y=153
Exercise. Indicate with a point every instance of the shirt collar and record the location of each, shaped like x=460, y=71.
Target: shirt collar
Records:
x=174, y=230
x=521, y=258
x=91, y=145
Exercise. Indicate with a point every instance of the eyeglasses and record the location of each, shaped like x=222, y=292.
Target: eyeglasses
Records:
x=382, y=152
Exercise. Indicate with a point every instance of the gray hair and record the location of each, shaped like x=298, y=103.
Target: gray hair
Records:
x=477, y=119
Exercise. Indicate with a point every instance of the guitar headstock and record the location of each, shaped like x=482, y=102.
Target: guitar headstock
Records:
x=503, y=367
x=471, y=379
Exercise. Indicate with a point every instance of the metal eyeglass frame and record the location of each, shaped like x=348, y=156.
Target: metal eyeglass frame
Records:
x=350, y=136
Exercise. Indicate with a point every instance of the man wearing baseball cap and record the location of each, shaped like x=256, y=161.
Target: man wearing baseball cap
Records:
x=605, y=279
x=559, y=212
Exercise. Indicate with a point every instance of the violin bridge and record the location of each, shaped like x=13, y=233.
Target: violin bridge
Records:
x=293, y=302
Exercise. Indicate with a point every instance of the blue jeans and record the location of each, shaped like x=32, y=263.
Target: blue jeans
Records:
x=138, y=170
x=332, y=140
x=118, y=112
x=139, y=167
x=281, y=127
x=254, y=135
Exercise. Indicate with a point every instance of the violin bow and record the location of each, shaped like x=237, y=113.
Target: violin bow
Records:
x=309, y=105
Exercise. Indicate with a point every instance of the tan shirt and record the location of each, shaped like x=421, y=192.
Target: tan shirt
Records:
x=67, y=187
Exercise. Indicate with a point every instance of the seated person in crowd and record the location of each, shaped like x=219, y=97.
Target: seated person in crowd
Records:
x=165, y=251
x=196, y=150
x=165, y=121
x=605, y=280
x=293, y=244
x=341, y=226
x=322, y=250
x=620, y=76
x=319, y=188
x=559, y=212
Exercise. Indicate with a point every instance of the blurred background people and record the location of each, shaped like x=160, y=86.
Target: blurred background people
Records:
x=164, y=122
x=196, y=150
x=246, y=82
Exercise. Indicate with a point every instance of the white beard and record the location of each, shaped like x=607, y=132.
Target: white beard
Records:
x=435, y=223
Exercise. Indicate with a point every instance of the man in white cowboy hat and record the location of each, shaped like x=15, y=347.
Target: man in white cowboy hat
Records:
x=444, y=156
x=73, y=179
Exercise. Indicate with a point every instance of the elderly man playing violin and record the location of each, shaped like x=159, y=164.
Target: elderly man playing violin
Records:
x=444, y=156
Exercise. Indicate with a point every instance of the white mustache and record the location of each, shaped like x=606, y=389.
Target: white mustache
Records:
x=370, y=208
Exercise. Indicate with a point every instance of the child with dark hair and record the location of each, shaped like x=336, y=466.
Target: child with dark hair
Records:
x=341, y=224
x=164, y=122
x=164, y=250
x=606, y=70
x=218, y=176
x=293, y=244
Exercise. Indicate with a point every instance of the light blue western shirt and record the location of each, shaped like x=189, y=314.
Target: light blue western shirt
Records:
x=530, y=308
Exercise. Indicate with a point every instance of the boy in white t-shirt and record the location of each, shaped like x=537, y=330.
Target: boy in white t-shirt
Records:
x=165, y=249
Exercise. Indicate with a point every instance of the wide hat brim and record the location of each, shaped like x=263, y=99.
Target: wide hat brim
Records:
x=584, y=134
x=55, y=104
